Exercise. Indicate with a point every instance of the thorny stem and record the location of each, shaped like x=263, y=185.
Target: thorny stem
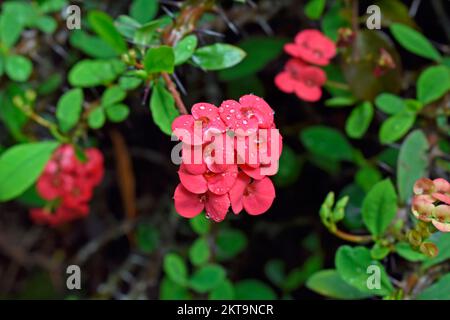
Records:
x=176, y=95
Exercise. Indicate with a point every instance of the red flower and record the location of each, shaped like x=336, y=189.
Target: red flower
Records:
x=189, y=204
x=312, y=46
x=303, y=80
x=255, y=196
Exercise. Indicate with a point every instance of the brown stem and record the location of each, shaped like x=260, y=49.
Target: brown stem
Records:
x=176, y=95
x=352, y=237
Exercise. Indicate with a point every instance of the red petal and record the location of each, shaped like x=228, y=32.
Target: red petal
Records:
x=194, y=183
x=184, y=128
x=217, y=206
x=285, y=82
x=255, y=173
x=292, y=49
x=261, y=194
x=221, y=183
x=306, y=93
x=237, y=192
x=187, y=204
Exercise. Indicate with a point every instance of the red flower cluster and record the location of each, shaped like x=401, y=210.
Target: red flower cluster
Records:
x=227, y=154
x=67, y=184
x=300, y=76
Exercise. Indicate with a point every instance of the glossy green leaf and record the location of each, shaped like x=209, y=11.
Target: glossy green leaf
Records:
x=442, y=241
x=117, y=112
x=330, y=284
x=18, y=68
x=379, y=207
x=113, y=95
x=21, y=166
x=159, y=59
x=352, y=264
x=96, y=118
x=396, y=126
x=91, y=45
x=405, y=251
x=91, y=73
x=199, y=252
x=162, y=107
x=414, y=41
x=218, y=56
x=184, y=49
x=438, y=291
x=433, y=83
x=359, y=120
x=207, y=278
x=68, y=109
x=175, y=268
x=390, y=103
x=412, y=163
x=103, y=25
x=144, y=10
x=200, y=224
x=314, y=9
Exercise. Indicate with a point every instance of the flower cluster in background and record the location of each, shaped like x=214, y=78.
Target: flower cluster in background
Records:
x=225, y=174
x=301, y=74
x=431, y=202
x=67, y=184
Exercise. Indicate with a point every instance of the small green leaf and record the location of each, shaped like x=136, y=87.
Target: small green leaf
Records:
x=390, y=103
x=199, y=252
x=354, y=266
x=68, y=109
x=252, y=289
x=144, y=10
x=314, y=9
x=21, y=166
x=18, y=68
x=103, y=25
x=367, y=177
x=414, y=41
x=330, y=284
x=91, y=45
x=129, y=82
x=160, y=59
x=341, y=101
x=405, y=251
x=184, y=49
x=230, y=242
x=117, y=112
x=175, y=268
x=379, y=207
x=438, y=291
x=442, y=241
x=170, y=290
x=396, y=126
x=275, y=271
x=92, y=73
x=200, y=224
x=96, y=118
x=327, y=142
x=412, y=163
x=433, y=83
x=359, y=120
x=162, y=107
x=207, y=278
x=218, y=56
x=113, y=95
x=147, y=237
x=223, y=291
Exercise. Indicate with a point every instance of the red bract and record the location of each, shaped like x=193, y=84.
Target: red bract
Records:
x=67, y=183
x=231, y=166
x=312, y=46
x=303, y=80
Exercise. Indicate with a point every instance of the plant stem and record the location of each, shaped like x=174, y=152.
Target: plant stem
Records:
x=352, y=237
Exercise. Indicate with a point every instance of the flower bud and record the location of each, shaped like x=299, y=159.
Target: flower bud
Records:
x=429, y=249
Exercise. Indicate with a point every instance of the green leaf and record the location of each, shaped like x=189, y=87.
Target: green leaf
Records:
x=336, y=17
x=162, y=107
x=91, y=45
x=433, y=83
x=359, y=120
x=200, y=224
x=260, y=51
x=127, y=26
x=396, y=126
x=117, y=112
x=144, y=10
x=405, y=251
x=184, y=49
x=129, y=82
x=353, y=264
x=175, y=269
x=91, y=73
x=21, y=166
x=147, y=237
x=379, y=251
x=199, y=252
x=414, y=41
x=274, y=270
x=367, y=177
x=96, y=118
x=341, y=101
x=223, y=291
x=46, y=24
x=412, y=163
x=113, y=95
x=218, y=56
x=252, y=289
x=379, y=207
x=68, y=109
x=103, y=25
x=170, y=290
x=13, y=20
x=438, y=291
x=207, y=278
x=327, y=142
x=443, y=244
x=160, y=59
x=314, y=9
x=390, y=103
x=330, y=284
x=230, y=242
x=18, y=68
